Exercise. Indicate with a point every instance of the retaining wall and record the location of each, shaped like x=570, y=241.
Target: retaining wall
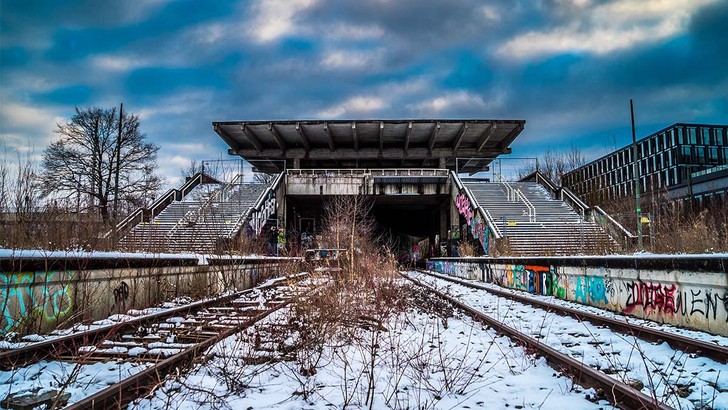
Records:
x=36, y=300
x=688, y=291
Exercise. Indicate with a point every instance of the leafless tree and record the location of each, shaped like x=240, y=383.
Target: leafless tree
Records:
x=88, y=155
x=554, y=164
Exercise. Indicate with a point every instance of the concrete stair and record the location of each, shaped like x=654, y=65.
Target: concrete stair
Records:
x=555, y=229
x=209, y=213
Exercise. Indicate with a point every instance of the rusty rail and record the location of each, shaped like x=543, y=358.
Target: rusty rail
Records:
x=619, y=394
x=687, y=344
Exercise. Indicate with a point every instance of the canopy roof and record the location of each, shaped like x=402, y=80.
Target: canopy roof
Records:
x=370, y=143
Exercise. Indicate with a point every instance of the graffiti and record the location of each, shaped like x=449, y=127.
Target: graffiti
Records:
x=590, y=289
x=457, y=269
x=463, y=205
x=530, y=278
x=121, y=293
x=480, y=231
x=669, y=299
x=33, y=294
x=260, y=217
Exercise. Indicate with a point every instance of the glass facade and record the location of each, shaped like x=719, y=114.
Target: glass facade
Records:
x=667, y=158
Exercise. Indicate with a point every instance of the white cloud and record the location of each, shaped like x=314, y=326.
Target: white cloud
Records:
x=452, y=102
x=358, y=105
x=612, y=26
x=342, y=31
x=122, y=63
x=274, y=19
x=352, y=60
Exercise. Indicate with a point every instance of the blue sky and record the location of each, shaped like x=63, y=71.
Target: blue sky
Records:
x=568, y=67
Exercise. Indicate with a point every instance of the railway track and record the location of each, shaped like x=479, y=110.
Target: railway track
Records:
x=154, y=345
x=562, y=357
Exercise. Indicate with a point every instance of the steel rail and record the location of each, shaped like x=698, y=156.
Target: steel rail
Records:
x=679, y=342
x=34, y=352
x=124, y=392
x=619, y=394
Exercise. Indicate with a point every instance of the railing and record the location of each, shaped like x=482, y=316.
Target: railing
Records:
x=424, y=172
x=497, y=234
x=569, y=197
x=510, y=191
x=614, y=227
x=170, y=196
x=541, y=179
x=529, y=205
x=194, y=215
x=256, y=206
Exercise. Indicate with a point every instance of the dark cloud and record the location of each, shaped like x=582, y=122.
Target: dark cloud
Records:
x=184, y=64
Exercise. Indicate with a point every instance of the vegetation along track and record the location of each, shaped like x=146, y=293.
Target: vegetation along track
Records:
x=162, y=342
x=617, y=382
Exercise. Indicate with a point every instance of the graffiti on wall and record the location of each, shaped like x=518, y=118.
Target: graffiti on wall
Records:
x=478, y=227
x=670, y=299
x=457, y=269
x=34, y=294
x=462, y=203
x=590, y=289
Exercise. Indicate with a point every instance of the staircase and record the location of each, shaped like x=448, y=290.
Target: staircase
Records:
x=198, y=222
x=535, y=224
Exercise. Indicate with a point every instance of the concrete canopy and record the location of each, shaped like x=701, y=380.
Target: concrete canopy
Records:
x=423, y=143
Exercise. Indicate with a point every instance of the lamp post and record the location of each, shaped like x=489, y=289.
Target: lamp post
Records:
x=638, y=207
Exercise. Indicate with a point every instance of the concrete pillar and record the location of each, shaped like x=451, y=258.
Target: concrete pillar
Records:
x=441, y=163
x=296, y=163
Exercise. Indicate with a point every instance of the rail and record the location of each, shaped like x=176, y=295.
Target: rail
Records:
x=510, y=191
x=194, y=215
x=616, y=392
x=137, y=216
x=614, y=227
x=529, y=205
x=497, y=234
x=424, y=172
x=261, y=198
x=543, y=180
x=574, y=201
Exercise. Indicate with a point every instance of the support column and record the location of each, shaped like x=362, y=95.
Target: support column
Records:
x=296, y=163
x=441, y=163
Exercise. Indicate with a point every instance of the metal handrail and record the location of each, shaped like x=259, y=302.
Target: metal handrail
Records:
x=202, y=208
x=139, y=212
x=365, y=172
x=573, y=198
x=529, y=205
x=615, y=223
x=244, y=216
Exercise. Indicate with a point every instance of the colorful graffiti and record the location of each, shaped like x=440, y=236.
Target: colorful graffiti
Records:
x=462, y=203
x=34, y=294
x=669, y=299
x=530, y=278
x=590, y=289
x=457, y=269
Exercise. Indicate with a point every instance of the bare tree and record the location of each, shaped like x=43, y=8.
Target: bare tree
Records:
x=89, y=154
x=554, y=164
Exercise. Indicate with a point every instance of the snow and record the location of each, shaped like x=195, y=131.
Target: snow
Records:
x=629, y=358
x=422, y=360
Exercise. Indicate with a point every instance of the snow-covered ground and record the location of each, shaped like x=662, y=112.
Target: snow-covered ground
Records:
x=419, y=359
x=669, y=373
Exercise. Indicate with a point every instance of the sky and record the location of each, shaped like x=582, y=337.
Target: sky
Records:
x=567, y=67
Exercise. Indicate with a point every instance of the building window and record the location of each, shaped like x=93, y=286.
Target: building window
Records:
x=692, y=136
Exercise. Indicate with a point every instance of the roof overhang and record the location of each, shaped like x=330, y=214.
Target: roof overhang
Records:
x=436, y=143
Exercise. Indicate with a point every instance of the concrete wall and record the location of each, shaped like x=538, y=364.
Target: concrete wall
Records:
x=39, y=301
x=689, y=292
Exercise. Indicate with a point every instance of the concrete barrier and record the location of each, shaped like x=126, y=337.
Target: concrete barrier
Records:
x=36, y=300
x=685, y=290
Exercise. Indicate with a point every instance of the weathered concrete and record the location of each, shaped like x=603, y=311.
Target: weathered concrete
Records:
x=42, y=300
x=686, y=291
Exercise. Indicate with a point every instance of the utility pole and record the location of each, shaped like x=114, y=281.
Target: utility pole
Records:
x=638, y=206
x=116, y=173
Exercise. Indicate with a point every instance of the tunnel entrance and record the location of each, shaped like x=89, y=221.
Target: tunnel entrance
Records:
x=411, y=225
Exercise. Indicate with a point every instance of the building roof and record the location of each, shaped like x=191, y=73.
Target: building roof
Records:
x=421, y=143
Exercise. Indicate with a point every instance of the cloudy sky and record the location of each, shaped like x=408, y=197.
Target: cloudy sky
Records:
x=568, y=67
